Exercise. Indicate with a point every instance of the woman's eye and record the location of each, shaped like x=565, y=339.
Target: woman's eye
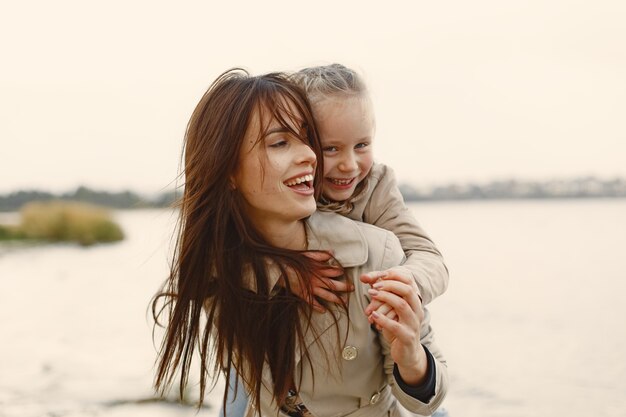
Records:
x=278, y=144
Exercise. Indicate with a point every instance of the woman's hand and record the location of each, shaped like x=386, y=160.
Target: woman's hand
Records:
x=323, y=283
x=400, y=293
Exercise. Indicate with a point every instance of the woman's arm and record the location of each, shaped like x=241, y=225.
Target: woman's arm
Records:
x=415, y=368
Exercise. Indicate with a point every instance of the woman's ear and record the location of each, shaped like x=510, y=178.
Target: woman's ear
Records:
x=231, y=183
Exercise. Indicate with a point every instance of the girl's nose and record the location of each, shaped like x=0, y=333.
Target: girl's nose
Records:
x=348, y=163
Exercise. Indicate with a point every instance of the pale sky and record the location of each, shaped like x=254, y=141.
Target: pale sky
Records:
x=99, y=93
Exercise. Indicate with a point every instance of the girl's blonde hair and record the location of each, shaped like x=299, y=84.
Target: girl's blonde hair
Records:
x=330, y=81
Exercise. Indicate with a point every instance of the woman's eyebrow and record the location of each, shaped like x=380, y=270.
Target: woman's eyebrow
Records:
x=278, y=129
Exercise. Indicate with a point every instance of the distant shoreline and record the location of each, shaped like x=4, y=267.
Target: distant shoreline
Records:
x=578, y=188
x=573, y=189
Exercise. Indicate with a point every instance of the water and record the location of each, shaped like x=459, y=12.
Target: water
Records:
x=532, y=324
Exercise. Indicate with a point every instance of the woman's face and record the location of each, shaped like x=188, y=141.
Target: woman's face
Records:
x=346, y=128
x=275, y=174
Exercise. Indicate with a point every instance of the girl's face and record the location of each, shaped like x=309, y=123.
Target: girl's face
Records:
x=275, y=174
x=346, y=128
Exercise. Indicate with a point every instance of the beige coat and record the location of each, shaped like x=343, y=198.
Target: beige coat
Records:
x=382, y=205
x=354, y=374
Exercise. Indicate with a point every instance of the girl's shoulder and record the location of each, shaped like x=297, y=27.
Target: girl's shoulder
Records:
x=380, y=174
x=382, y=191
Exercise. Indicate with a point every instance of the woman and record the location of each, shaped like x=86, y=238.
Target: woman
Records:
x=248, y=221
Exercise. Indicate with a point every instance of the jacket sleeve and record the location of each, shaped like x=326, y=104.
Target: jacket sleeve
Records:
x=385, y=208
x=427, y=339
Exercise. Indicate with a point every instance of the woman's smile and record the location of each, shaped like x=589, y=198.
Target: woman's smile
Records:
x=275, y=175
x=301, y=184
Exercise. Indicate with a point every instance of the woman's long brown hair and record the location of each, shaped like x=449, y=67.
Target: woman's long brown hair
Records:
x=207, y=299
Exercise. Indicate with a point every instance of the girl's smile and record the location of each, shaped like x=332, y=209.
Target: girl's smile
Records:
x=346, y=127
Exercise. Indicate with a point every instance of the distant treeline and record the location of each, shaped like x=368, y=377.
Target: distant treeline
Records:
x=588, y=187
x=120, y=200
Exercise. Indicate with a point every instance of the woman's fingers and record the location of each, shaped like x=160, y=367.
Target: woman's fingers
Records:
x=404, y=342
x=379, y=306
x=393, y=329
x=372, y=306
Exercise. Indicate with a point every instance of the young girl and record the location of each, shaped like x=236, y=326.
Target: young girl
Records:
x=248, y=218
x=357, y=187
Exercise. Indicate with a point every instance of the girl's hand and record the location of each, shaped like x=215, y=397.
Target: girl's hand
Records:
x=397, y=273
x=403, y=334
x=323, y=283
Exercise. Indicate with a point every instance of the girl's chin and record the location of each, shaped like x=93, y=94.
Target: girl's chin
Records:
x=334, y=195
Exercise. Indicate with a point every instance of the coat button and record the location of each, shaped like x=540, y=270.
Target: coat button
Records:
x=349, y=353
x=375, y=398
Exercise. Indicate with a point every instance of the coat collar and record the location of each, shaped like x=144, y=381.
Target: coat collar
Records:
x=331, y=231
x=327, y=231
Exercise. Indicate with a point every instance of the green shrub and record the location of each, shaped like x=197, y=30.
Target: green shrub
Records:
x=10, y=233
x=68, y=221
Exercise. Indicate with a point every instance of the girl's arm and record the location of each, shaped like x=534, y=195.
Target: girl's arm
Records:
x=383, y=206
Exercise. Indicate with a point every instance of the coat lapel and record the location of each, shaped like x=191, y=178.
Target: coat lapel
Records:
x=330, y=231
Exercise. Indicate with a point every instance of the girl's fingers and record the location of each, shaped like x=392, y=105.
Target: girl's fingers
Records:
x=330, y=272
x=372, y=277
x=321, y=256
x=327, y=295
x=404, y=311
x=309, y=299
x=399, y=274
x=402, y=290
x=331, y=284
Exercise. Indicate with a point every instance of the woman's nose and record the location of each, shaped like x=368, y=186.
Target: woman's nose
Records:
x=306, y=154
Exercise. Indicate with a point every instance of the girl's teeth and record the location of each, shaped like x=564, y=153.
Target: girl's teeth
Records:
x=341, y=182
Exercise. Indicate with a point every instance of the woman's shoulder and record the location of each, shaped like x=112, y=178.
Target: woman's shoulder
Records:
x=353, y=242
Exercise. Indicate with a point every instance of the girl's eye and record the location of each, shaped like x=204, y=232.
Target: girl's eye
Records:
x=361, y=145
x=330, y=149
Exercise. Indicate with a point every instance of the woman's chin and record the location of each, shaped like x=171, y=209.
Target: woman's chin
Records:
x=310, y=208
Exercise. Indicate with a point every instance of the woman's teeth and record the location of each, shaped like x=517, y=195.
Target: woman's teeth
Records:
x=299, y=180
